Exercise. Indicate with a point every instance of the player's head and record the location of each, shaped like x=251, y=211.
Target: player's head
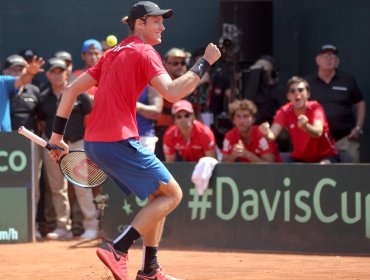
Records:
x=146, y=21
x=183, y=114
x=242, y=114
x=298, y=92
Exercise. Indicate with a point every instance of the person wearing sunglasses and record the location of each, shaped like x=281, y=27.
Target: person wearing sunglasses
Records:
x=342, y=100
x=175, y=62
x=244, y=142
x=188, y=139
x=307, y=125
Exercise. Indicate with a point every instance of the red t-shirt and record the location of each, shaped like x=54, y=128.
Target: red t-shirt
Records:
x=257, y=144
x=121, y=74
x=201, y=140
x=305, y=147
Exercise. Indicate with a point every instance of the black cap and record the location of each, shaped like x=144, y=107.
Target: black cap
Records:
x=328, y=48
x=64, y=55
x=14, y=60
x=56, y=62
x=147, y=8
x=27, y=53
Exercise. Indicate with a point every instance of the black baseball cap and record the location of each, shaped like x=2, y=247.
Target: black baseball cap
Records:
x=14, y=60
x=328, y=48
x=56, y=62
x=147, y=8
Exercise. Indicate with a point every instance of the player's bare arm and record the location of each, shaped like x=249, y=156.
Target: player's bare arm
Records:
x=70, y=94
x=174, y=90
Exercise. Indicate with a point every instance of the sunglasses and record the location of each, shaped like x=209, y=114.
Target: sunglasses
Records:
x=179, y=116
x=294, y=90
x=176, y=63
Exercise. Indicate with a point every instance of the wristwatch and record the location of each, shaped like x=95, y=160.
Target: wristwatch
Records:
x=359, y=129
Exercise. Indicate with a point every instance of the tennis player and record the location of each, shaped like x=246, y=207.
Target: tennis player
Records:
x=111, y=136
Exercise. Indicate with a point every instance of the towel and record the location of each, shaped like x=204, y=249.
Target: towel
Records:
x=202, y=173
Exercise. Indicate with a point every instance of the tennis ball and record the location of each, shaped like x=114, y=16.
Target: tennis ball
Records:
x=111, y=40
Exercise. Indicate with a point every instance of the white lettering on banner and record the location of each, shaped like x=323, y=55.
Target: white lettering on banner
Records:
x=15, y=160
x=249, y=208
x=9, y=235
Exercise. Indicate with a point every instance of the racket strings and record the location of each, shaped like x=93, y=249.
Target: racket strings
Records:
x=81, y=171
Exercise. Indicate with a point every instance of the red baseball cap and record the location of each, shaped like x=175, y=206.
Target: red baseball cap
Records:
x=182, y=105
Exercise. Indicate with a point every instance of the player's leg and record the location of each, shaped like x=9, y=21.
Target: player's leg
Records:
x=150, y=268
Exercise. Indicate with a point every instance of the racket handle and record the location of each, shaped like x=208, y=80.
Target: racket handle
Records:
x=37, y=139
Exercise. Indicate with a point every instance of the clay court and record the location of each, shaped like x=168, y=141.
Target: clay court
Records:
x=62, y=260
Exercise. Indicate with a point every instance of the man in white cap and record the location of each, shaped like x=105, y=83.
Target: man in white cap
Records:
x=11, y=84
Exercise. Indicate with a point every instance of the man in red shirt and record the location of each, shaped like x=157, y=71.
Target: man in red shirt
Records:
x=307, y=125
x=244, y=142
x=111, y=135
x=188, y=138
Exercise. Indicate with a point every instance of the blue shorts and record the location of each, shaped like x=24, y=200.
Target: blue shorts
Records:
x=131, y=166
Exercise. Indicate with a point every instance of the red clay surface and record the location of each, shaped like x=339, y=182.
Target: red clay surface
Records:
x=59, y=260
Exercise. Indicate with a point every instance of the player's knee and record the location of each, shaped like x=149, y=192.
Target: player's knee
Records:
x=178, y=197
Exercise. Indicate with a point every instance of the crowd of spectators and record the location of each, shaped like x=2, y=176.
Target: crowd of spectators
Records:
x=316, y=119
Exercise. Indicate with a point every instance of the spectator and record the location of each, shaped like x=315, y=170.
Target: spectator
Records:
x=24, y=104
x=10, y=85
x=244, y=142
x=91, y=52
x=67, y=57
x=57, y=77
x=23, y=111
x=307, y=125
x=148, y=108
x=175, y=63
x=342, y=100
x=188, y=139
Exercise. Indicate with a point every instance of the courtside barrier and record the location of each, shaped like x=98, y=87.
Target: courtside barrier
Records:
x=268, y=207
x=276, y=207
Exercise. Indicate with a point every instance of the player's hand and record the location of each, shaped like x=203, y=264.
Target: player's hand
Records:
x=264, y=128
x=302, y=121
x=212, y=53
x=57, y=140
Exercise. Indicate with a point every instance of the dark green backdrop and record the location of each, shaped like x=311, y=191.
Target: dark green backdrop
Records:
x=299, y=28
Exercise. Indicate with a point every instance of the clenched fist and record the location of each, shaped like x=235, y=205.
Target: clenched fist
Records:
x=212, y=53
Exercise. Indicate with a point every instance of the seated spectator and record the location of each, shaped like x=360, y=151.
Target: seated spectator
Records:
x=188, y=139
x=244, y=142
x=307, y=125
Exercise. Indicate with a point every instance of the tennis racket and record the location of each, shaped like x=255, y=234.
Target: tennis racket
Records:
x=75, y=165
